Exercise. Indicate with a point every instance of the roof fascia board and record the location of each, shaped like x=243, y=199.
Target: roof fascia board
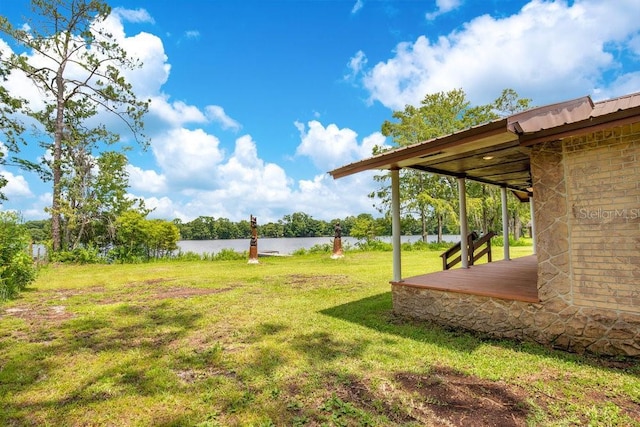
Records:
x=592, y=124
x=392, y=159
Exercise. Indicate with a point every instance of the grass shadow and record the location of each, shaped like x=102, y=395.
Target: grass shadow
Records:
x=375, y=312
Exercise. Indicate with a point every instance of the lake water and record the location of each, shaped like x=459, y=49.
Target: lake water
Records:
x=285, y=245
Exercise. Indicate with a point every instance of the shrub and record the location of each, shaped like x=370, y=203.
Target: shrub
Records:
x=190, y=256
x=229, y=255
x=374, y=245
x=88, y=255
x=16, y=264
x=423, y=246
x=523, y=241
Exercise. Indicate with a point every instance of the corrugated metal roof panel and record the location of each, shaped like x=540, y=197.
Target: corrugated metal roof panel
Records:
x=550, y=116
x=616, y=104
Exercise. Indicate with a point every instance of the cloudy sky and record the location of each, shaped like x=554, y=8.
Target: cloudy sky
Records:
x=254, y=101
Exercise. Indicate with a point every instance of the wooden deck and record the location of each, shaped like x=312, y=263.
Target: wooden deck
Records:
x=516, y=279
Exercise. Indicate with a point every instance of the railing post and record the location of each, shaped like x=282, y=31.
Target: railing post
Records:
x=472, y=248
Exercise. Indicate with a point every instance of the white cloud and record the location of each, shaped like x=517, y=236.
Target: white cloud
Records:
x=174, y=114
x=331, y=147
x=187, y=157
x=133, y=15
x=192, y=34
x=163, y=207
x=270, y=199
x=356, y=65
x=442, y=7
x=328, y=198
x=217, y=114
x=356, y=7
x=246, y=176
x=16, y=186
x=148, y=181
x=249, y=185
x=549, y=51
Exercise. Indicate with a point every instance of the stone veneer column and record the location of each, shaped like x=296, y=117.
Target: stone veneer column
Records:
x=551, y=216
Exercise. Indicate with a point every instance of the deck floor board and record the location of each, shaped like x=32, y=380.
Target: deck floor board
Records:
x=516, y=279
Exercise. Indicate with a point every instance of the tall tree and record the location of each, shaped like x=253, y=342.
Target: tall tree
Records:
x=78, y=66
x=10, y=127
x=93, y=195
x=442, y=113
x=439, y=114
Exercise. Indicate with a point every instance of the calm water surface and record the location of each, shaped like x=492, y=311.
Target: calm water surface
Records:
x=285, y=245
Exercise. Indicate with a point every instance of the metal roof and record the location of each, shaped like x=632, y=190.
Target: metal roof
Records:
x=498, y=152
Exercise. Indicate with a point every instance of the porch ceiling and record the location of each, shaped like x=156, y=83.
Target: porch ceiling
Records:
x=498, y=152
x=490, y=153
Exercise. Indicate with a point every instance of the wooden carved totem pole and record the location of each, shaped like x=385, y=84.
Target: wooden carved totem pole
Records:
x=253, y=245
x=337, y=242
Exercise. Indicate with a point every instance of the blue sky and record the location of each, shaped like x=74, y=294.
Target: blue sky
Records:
x=254, y=101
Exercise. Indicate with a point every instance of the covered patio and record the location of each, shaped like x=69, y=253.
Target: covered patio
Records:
x=490, y=154
x=515, y=280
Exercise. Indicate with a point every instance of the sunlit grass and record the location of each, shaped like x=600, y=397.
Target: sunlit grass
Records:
x=289, y=341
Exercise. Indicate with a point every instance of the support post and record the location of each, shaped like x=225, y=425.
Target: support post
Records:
x=395, y=224
x=505, y=223
x=533, y=223
x=464, y=228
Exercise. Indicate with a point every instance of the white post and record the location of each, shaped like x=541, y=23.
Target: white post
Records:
x=395, y=224
x=464, y=228
x=533, y=224
x=505, y=222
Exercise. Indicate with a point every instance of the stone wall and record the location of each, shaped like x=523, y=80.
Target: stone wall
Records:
x=588, y=266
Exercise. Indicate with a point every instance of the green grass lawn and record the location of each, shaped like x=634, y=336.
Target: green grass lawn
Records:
x=303, y=340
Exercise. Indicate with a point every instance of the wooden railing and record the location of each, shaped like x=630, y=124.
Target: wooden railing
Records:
x=475, y=250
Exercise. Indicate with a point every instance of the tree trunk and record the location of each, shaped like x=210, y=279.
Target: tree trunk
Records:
x=517, y=227
x=439, y=228
x=423, y=219
x=56, y=167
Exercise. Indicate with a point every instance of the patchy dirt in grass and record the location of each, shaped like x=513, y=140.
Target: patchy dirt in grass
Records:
x=442, y=397
x=52, y=309
x=40, y=311
x=465, y=400
x=308, y=281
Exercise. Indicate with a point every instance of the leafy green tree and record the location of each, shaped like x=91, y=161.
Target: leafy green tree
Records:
x=140, y=239
x=272, y=229
x=16, y=264
x=199, y=229
x=92, y=197
x=10, y=127
x=300, y=224
x=365, y=228
x=39, y=230
x=422, y=194
x=81, y=78
x=225, y=229
x=162, y=238
x=244, y=229
x=439, y=114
